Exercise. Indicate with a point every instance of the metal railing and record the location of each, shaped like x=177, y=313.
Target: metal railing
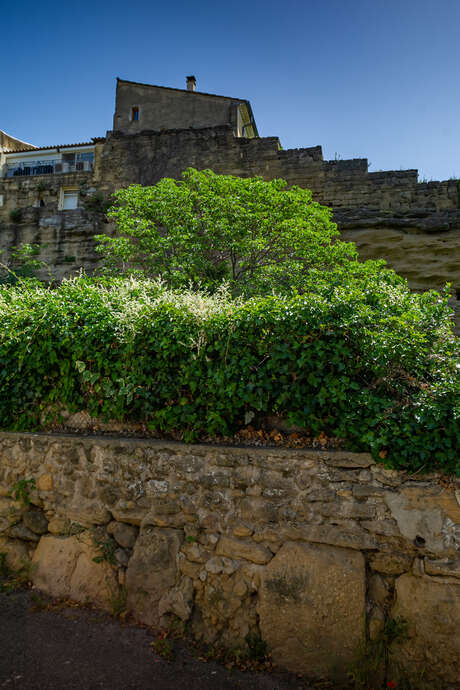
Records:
x=46, y=167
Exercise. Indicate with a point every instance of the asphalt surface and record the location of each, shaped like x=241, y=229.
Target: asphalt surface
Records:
x=74, y=648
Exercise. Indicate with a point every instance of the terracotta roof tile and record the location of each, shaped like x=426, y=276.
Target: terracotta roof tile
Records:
x=95, y=140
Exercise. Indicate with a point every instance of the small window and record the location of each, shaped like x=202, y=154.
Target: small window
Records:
x=1, y=200
x=135, y=114
x=69, y=199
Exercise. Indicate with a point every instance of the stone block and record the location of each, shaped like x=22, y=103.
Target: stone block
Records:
x=129, y=512
x=20, y=531
x=242, y=530
x=192, y=570
x=45, y=482
x=257, y=509
x=59, y=525
x=364, y=491
x=427, y=516
x=178, y=601
x=376, y=623
x=10, y=512
x=346, y=509
x=36, y=521
x=88, y=512
x=443, y=566
x=65, y=568
x=214, y=565
x=349, y=538
x=121, y=557
x=390, y=563
x=152, y=571
x=312, y=608
x=431, y=607
x=16, y=553
x=349, y=460
x=387, y=528
x=378, y=590
x=193, y=552
x=239, y=548
x=124, y=535
x=93, y=582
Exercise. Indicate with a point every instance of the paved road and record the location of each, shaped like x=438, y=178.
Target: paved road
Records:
x=73, y=648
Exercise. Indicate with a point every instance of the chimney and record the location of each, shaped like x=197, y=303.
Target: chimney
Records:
x=191, y=83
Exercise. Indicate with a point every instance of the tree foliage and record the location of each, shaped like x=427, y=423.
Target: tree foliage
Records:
x=257, y=236
x=23, y=263
x=302, y=329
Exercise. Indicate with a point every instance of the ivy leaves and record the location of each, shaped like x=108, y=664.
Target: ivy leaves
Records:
x=364, y=359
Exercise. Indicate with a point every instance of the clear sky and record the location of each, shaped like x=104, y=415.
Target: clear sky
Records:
x=376, y=79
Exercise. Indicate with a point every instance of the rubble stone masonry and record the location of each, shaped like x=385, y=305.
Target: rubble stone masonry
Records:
x=415, y=226
x=314, y=551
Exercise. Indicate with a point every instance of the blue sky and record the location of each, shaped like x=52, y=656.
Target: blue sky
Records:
x=376, y=79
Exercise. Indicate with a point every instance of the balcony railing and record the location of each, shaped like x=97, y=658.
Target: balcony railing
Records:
x=46, y=167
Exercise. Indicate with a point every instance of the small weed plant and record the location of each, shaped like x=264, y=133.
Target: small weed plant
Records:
x=38, y=602
x=4, y=569
x=254, y=656
x=106, y=548
x=257, y=647
x=15, y=215
x=21, y=490
x=163, y=646
x=12, y=580
x=97, y=203
x=373, y=657
x=73, y=528
x=118, y=602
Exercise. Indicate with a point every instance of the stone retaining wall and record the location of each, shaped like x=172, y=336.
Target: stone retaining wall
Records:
x=314, y=551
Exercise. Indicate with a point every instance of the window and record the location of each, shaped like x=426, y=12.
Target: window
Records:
x=87, y=156
x=1, y=199
x=69, y=199
x=135, y=114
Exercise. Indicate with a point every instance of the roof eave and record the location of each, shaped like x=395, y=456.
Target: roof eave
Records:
x=172, y=88
x=52, y=148
x=19, y=141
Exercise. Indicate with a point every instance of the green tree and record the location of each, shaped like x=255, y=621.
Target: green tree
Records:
x=205, y=229
x=22, y=264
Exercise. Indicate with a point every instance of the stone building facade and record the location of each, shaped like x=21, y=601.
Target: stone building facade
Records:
x=140, y=107
x=160, y=131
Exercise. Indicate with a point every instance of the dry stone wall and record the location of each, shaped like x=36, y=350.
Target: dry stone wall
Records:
x=314, y=551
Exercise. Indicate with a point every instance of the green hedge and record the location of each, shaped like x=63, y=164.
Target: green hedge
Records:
x=374, y=364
